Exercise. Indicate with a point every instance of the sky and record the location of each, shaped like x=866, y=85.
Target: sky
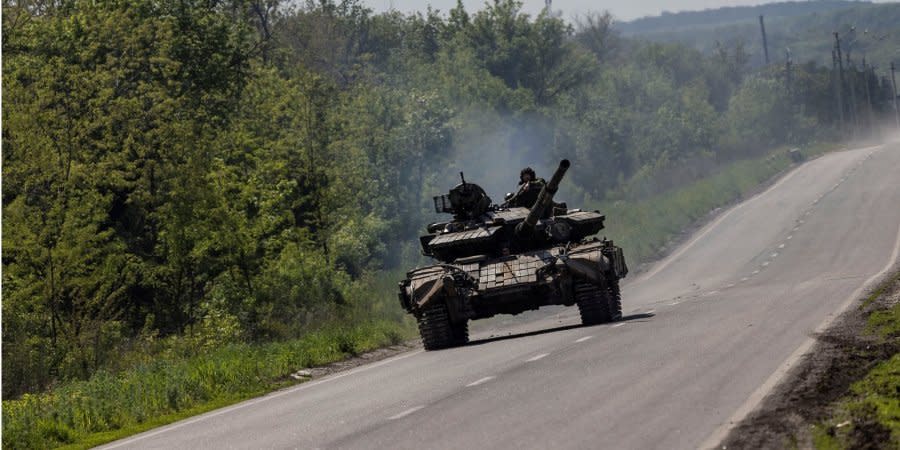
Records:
x=621, y=9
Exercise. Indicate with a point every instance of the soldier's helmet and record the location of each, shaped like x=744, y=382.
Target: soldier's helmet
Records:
x=528, y=171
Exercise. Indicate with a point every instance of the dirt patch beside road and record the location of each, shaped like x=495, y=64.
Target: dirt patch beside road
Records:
x=844, y=354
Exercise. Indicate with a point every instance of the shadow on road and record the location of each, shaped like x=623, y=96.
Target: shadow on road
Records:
x=643, y=317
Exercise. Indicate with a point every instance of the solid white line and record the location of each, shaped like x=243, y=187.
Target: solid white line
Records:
x=255, y=401
x=583, y=339
x=535, y=358
x=406, y=413
x=756, y=397
x=483, y=380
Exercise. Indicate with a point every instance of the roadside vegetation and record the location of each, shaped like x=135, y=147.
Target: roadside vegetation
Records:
x=210, y=196
x=868, y=416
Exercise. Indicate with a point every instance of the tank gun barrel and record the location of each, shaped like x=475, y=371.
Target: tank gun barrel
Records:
x=544, y=200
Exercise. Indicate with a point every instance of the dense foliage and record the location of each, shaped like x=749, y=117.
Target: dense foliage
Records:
x=241, y=170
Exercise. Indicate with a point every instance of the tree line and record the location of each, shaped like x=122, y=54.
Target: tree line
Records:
x=245, y=170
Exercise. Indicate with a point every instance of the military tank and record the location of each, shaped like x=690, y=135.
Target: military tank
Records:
x=501, y=259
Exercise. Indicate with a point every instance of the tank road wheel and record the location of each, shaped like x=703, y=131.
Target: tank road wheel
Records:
x=435, y=327
x=593, y=303
x=615, y=301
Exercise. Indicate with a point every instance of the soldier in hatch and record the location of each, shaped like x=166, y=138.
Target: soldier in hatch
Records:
x=529, y=188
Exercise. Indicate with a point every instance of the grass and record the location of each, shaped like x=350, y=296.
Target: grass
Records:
x=871, y=412
x=111, y=406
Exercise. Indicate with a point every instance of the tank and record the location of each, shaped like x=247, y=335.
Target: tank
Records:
x=500, y=259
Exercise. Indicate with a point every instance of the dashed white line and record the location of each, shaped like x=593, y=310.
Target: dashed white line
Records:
x=406, y=413
x=755, y=272
x=774, y=255
x=790, y=237
x=765, y=264
x=618, y=325
x=481, y=381
x=536, y=357
x=781, y=246
x=744, y=279
x=730, y=285
x=670, y=304
x=583, y=339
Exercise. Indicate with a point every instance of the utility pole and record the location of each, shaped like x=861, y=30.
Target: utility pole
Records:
x=840, y=64
x=894, y=95
x=868, y=93
x=835, y=81
x=762, y=27
x=851, y=78
x=788, y=61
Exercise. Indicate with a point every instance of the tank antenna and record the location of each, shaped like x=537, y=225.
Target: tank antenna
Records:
x=462, y=177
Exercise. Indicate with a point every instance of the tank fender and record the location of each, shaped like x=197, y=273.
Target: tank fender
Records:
x=443, y=289
x=589, y=269
x=433, y=293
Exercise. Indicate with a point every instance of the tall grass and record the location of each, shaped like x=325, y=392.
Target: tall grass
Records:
x=72, y=412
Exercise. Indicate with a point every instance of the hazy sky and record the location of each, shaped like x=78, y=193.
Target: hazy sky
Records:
x=621, y=9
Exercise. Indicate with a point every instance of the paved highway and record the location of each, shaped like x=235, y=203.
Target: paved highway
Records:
x=708, y=331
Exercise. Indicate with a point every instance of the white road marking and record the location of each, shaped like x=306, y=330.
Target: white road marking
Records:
x=618, y=325
x=670, y=304
x=744, y=279
x=535, y=358
x=755, y=272
x=774, y=255
x=481, y=381
x=796, y=228
x=651, y=311
x=765, y=264
x=790, y=237
x=406, y=413
x=583, y=339
x=731, y=285
x=781, y=246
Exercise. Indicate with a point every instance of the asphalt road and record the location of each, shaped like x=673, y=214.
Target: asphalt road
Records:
x=707, y=332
